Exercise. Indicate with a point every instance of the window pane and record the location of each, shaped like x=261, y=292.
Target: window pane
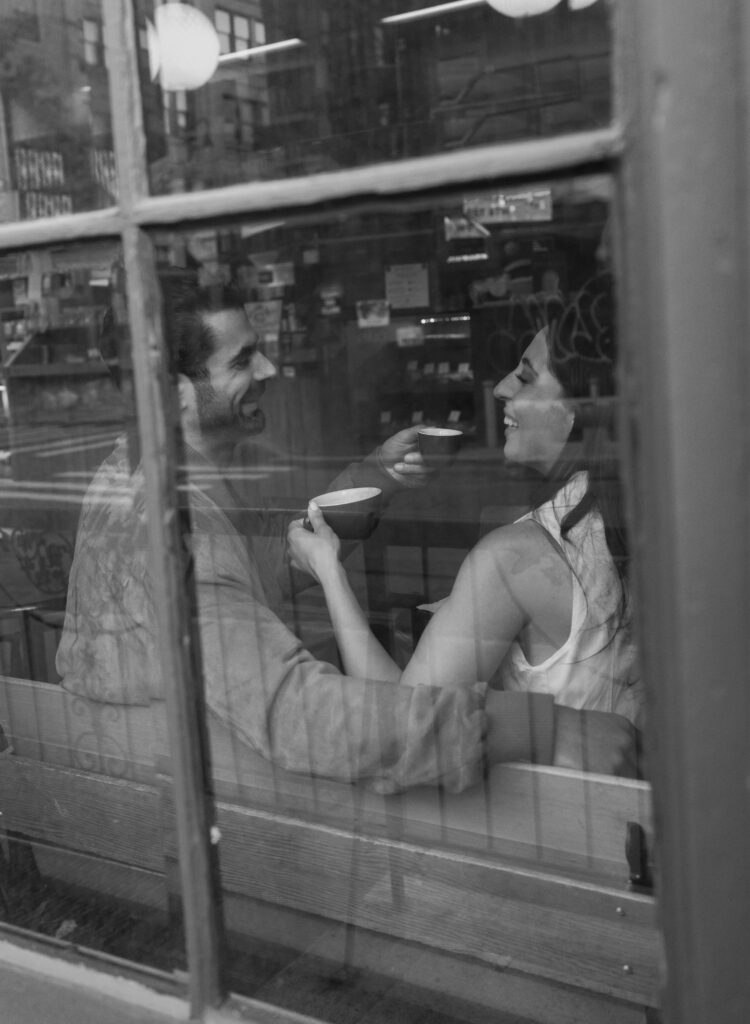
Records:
x=56, y=153
x=348, y=83
x=259, y=32
x=368, y=848
x=241, y=32
x=82, y=857
x=224, y=29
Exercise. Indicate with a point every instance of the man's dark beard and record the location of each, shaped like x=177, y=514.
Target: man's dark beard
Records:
x=210, y=417
x=214, y=418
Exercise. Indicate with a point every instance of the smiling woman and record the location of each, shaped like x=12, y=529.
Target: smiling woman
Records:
x=539, y=605
x=537, y=419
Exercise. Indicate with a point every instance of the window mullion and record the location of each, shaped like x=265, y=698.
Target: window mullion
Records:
x=685, y=316
x=158, y=446
x=580, y=153
x=71, y=227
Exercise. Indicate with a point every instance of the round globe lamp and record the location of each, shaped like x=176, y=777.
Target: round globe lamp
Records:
x=183, y=47
x=522, y=8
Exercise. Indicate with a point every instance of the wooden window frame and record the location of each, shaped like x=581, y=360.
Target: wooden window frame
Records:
x=677, y=149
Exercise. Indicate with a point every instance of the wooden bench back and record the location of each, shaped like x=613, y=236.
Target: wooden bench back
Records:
x=529, y=866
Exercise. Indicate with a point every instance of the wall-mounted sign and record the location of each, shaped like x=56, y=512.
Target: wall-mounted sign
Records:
x=409, y=336
x=510, y=207
x=272, y=275
x=265, y=319
x=407, y=286
x=330, y=295
x=463, y=227
x=373, y=313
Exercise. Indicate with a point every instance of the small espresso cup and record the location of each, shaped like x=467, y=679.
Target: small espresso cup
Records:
x=439, y=446
x=352, y=513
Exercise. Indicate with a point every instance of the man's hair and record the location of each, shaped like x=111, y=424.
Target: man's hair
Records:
x=190, y=340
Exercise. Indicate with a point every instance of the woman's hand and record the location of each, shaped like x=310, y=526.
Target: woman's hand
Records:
x=317, y=553
x=313, y=552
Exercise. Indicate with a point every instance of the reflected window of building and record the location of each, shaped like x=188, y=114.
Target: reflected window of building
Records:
x=259, y=32
x=93, y=43
x=346, y=85
x=56, y=155
x=234, y=30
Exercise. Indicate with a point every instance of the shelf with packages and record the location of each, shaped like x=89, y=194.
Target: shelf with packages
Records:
x=59, y=390
x=432, y=381
x=431, y=386
x=59, y=376
x=58, y=369
x=298, y=360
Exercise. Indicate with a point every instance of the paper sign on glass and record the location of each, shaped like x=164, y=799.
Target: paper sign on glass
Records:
x=407, y=286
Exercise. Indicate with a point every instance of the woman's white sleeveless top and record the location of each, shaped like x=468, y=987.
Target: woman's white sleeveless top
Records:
x=596, y=667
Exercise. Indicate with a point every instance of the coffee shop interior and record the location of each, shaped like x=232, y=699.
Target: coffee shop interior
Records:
x=396, y=315
x=387, y=318
x=403, y=192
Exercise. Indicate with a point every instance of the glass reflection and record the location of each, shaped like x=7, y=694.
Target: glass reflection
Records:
x=78, y=859
x=252, y=91
x=56, y=153
x=305, y=88
x=255, y=91
x=333, y=343
x=307, y=357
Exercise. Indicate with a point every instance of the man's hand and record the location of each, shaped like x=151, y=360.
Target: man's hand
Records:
x=595, y=741
x=399, y=458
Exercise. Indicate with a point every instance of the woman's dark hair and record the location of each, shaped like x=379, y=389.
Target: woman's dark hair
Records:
x=582, y=356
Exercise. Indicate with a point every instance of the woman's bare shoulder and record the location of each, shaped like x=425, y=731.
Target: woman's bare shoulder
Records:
x=522, y=538
x=519, y=551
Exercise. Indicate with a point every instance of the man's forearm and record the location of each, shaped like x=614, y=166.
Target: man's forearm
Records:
x=368, y=472
x=520, y=727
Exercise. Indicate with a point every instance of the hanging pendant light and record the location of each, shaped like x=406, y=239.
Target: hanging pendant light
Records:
x=183, y=47
x=522, y=8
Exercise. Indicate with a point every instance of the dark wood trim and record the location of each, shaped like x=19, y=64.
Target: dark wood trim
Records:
x=686, y=325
